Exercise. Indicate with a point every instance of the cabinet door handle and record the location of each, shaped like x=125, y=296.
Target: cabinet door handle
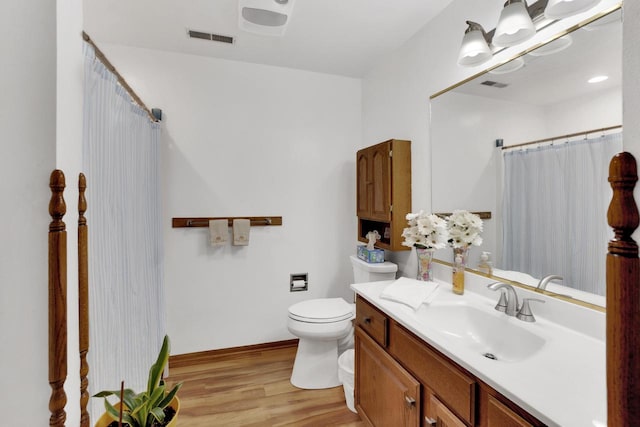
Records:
x=431, y=421
x=410, y=401
x=367, y=320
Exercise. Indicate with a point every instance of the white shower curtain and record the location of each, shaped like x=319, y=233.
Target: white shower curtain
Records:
x=121, y=159
x=555, y=210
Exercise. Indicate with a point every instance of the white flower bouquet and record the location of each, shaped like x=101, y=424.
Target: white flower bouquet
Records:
x=464, y=229
x=425, y=231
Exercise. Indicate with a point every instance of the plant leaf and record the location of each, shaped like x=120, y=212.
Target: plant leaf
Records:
x=158, y=414
x=156, y=369
x=169, y=397
x=157, y=395
x=111, y=410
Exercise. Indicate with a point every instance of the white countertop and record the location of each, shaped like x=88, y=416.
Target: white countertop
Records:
x=562, y=384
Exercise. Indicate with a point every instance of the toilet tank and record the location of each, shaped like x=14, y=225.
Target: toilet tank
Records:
x=372, y=272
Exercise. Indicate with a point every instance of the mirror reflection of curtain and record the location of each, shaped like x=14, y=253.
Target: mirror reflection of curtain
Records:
x=121, y=159
x=555, y=210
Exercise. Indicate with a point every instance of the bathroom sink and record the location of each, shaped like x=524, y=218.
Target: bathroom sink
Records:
x=492, y=334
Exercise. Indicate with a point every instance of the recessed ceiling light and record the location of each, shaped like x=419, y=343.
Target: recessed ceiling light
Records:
x=598, y=79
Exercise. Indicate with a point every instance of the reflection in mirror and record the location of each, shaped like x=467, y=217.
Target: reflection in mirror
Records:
x=531, y=141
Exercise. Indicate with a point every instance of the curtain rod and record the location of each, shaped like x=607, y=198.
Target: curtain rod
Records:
x=570, y=135
x=102, y=58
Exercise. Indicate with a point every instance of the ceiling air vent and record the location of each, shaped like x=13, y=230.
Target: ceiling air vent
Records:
x=494, y=84
x=211, y=37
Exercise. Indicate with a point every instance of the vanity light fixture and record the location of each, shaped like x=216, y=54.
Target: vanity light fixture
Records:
x=555, y=46
x=475, y=46
x=558, y=9
x=597, y=79
x=515, y=25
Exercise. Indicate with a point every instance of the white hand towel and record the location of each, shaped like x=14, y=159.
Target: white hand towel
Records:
x=218, y=232
x=410, y=292
x=241, y=230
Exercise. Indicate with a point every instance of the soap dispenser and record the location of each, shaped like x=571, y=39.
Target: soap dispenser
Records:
x=484, y=266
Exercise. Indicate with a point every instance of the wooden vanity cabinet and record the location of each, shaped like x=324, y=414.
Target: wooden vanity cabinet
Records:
x=383, y=187
x=399, y=377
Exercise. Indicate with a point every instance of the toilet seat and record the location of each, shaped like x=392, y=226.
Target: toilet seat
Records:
x=322, y=310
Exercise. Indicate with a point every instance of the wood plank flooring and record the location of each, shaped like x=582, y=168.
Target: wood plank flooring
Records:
x=252, y=388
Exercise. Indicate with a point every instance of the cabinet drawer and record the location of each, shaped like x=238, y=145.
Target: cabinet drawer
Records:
x=449, y=384
x=371, y=320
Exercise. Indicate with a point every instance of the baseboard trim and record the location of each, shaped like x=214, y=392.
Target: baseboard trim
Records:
x=186, y=359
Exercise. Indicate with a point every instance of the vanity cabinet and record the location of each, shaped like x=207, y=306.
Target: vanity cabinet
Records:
x=400, y=380
x=383, y=187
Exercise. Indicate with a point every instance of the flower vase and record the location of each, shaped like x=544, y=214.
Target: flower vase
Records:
x=425, y=256
x=460, y=256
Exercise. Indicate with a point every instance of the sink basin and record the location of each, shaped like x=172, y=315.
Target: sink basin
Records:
x=492, y=334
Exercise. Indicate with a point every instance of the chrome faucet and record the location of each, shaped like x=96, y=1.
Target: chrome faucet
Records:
x=542, y=284
x=508, y=302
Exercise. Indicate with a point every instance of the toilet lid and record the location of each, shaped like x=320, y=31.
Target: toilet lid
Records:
x=322, y=310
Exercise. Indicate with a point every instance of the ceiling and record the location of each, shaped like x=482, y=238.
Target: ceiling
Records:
x=546, y=80
x=343, y=37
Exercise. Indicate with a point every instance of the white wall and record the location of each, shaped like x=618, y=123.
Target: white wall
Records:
x=69, y=90
x=631, y=85
x=28, y=123
x=249, y=140
x=396, y=92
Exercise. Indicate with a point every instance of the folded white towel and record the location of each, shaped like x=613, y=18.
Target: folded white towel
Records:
x=218, y=232
x=410, y=292
x=241, y=230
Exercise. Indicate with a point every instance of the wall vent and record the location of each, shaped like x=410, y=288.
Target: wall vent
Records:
x=211, y=37
x=494, y=84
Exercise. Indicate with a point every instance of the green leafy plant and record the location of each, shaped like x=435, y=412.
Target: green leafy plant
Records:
x=143, y=409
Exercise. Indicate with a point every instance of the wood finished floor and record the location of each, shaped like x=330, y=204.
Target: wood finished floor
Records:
x=253, y=389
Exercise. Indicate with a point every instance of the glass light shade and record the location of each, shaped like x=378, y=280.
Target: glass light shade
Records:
x=558, y=9
x=514, y=26
x=474, y=49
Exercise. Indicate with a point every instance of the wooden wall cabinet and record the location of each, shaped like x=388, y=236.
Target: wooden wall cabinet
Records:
x=383, y=185
x=402, y=381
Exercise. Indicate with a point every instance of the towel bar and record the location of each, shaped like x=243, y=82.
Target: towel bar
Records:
x=204, y=221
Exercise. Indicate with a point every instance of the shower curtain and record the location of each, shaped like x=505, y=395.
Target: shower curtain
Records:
x=121, y=159
x=555, y=210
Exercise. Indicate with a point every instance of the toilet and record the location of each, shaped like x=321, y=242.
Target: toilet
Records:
x=324, y=327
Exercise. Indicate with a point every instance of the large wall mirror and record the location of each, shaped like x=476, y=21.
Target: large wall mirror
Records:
x=530, y=141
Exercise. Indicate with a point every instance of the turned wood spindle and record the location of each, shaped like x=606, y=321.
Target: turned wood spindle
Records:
x=57, y=301
x=623, y=298
x=83, y=300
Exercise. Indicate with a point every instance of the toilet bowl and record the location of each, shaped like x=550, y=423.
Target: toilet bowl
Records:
x=324, y=327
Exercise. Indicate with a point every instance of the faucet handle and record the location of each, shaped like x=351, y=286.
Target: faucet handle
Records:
x=502, y=302
x=525, y=313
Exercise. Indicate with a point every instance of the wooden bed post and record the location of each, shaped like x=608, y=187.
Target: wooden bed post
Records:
x=57, y=301
x=83, y=300
x=623, y=298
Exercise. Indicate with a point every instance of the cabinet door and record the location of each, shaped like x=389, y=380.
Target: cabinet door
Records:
x=380, y=204
x=364, y=184
x=441, y=416
x=501, y=416
x=386, y=394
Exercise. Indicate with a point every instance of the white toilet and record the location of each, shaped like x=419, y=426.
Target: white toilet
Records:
x=325, y=329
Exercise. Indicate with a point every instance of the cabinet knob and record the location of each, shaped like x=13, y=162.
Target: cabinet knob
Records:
x=367, y=320
x=410, y=401
x=431, y=421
